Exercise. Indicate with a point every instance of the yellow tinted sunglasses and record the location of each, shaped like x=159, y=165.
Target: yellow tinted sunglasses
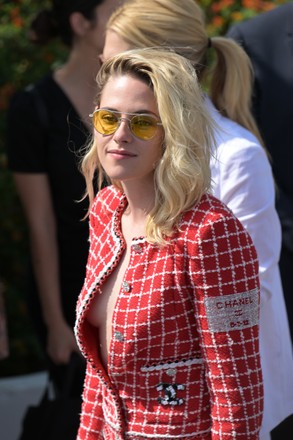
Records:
x=142, y=126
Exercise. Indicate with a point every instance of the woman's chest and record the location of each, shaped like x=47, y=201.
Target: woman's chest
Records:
x=103, y=304
x=146, y=306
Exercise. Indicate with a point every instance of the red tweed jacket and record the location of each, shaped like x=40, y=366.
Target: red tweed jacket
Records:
x=184, y=358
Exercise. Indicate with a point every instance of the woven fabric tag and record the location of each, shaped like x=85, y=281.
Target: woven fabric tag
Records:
x=232, y=312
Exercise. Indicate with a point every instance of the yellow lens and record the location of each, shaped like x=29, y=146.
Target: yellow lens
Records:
x=105, y=122
x=144, y=127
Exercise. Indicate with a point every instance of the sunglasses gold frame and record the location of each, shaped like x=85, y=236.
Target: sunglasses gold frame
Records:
x=98, y=126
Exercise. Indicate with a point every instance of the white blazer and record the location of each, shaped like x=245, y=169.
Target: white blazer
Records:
x=242, y=178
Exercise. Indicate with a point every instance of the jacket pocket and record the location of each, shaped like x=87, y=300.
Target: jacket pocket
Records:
x=175, y=393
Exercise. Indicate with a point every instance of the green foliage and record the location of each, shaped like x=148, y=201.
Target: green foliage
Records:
x=221, y=14
x=23, y=63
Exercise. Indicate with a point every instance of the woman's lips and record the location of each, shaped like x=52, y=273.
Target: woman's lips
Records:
x=121, y=154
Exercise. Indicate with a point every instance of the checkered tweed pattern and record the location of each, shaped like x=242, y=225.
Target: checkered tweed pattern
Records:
x=184, y=357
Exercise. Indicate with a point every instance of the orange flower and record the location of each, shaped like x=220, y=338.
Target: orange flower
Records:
x=260, y=5
x=227, y=3
x=251, y=4
x=268, y=6
x=236, y=16
x=5, y=93
x=16, y=18
x=220, y=5
x=17, y=22
x=216, y=7
x=217, y=21
x=14, y=12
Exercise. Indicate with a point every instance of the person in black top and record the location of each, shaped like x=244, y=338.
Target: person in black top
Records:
x=48, y=125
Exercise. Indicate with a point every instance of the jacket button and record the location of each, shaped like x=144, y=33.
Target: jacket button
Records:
x=137, y=248
x=171, y=372
x=118, y=336
x=126, y=286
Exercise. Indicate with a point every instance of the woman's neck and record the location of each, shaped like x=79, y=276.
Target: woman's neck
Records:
x=77, y=80
x=141, y=200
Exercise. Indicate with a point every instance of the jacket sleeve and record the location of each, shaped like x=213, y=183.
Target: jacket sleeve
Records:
x=226, y=289
x=26, y=138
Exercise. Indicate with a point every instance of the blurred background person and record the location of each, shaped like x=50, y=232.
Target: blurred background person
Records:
x=241, y=172
x=268, y=40
x=48, y=125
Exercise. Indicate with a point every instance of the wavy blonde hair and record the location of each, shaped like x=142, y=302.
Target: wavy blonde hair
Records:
x=181, y=25
x=182, y=175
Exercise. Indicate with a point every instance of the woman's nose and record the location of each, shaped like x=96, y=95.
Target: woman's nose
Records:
x=123, y=132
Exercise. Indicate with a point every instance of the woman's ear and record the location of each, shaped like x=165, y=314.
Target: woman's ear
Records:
x=79, y=24
x=101, y=58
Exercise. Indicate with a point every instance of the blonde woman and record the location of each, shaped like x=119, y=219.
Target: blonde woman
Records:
x=241, y=172
x=168, y=316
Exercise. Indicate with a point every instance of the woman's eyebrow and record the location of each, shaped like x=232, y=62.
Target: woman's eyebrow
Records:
x=136, y=112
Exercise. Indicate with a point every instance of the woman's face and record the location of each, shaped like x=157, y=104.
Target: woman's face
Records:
x=114, y=45
x=124, y=156
x=96, y=32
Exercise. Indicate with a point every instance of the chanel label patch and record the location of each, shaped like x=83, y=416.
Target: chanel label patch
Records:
x=232, y=312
